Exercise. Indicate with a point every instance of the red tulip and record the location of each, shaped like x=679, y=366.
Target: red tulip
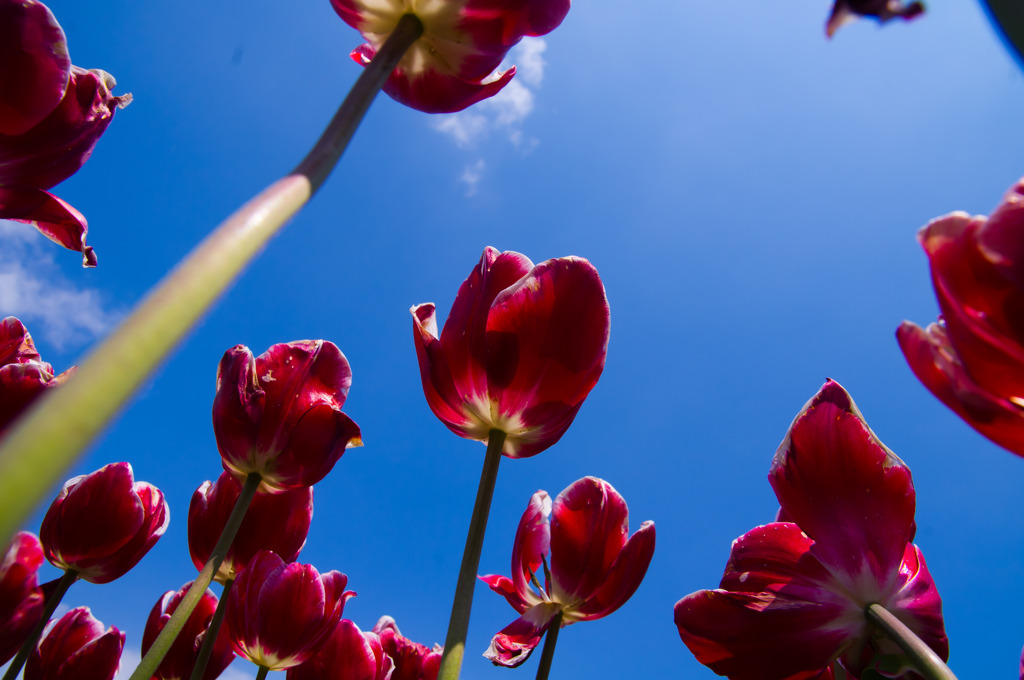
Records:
x=454, y=62
x=51, y=117
x=845, y=11
x=521, y=350
x=279, y=615
x=591, y=565
x=412, y=661
x=973, y=359
x=279, y=414
x=103, y=523
x=76, y=648
x=21, y=601
x=23, y=374
x=793, y=597
x=276, y=522
x=348, y=654
x=181, y=657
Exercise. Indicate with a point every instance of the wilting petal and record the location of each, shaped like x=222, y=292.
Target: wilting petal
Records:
x=32, y=45
x=54, y=218
x=844, y=488
x=845, y=11
x=516, y=641
x=21, y=601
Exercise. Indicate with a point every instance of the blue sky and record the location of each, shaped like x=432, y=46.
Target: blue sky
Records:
x=748, y=190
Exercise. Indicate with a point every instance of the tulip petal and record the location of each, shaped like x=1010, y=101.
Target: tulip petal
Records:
x=55, y=219
x=844, y=11
x=622, y=579
x=845, y=489
x=32, y=45
x=442, y=396
x=347, y=653
x=515, y=642
x=532, y=544
x=21, y=601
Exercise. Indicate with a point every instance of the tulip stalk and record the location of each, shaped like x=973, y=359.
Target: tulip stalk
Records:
x=151, y=661
x=458, y=624
x=925, y=660
x=1008, y=16
x=37, y=451
x=206, y=650
x=69, y=577
x=548, y=653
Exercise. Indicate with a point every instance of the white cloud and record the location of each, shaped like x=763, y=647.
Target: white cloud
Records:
x=33, y=288
x=471, y=176
x=529, y=62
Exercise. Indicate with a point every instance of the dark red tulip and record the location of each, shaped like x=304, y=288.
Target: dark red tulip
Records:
x=103, y=523
x=973, y=358
x=21, y=601
x=454, y=63
x=23, y=374
x=591, y=565
x=279, y=414
x=793, y=597
x=845, y=11
x=279, y=615
x=412, y=661
x=51, y=117
x=521, y=349
x=76, y=648
x=348, y=654
x=276, y=522
x=181, y=657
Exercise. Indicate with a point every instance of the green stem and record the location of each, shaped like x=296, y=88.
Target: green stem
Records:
x=924, y=658
x=38, y=450
x=1008, y=16
x=69, y=577
x=203, y=658
x=156, y=653
x=548, y=652
x=458, y=624
x=262, y=673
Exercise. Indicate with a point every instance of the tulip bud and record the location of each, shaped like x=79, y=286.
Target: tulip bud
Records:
x=21, y=601
x=23, y=374
x=181, y=657
x=76, y=648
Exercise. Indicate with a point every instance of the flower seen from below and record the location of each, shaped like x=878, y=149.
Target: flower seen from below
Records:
x=103, y=523
x=973, y=358
x=76, y=648
x=181, y=657
x=51, y=116
x=521, y=349
x=411, y=660
x=279, y=414
x=276, y=522
x=453, y=64
x=793, y=596
x=580, y=547
x=279, y=615
x=23, y=374
x=21, y=600
x=348, y=654
x=845, y=11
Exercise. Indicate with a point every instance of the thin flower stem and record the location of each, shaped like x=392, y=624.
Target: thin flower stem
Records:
x=1008, y=16
x=69, y=577
x=548, y=652
x=924, y=658
x=206, y=650
x=458, y=624
x=151, y=661
x=37, y=451
x=262, y=673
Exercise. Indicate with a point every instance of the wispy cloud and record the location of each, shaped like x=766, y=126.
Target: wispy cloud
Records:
x=471, y=176
x=33, y=288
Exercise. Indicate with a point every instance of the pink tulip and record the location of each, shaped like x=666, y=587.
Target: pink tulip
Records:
x=279, y=615
x=348, y=654
x=279, y=414
x=591, y=565
x=181, y=657
x=845, y=11
x=412, y=661
x=276, y=522
x=21, y=600
x=522, y=348
x=76, y=648
x=793, y=597
x=23, y=374
x=51, y=117
x=103, y=523
x=453, y=64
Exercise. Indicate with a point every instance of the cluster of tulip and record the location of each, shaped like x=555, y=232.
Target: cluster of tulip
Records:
x=833, y=587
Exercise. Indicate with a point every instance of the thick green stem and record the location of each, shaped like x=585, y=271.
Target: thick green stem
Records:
x=458, y=624
x=69, y=577
x=548, y=652
x=924, y=658
x=37, y=451
x=203, y=658
x=1008, y=16
x=262, y=673
x=156, y=653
